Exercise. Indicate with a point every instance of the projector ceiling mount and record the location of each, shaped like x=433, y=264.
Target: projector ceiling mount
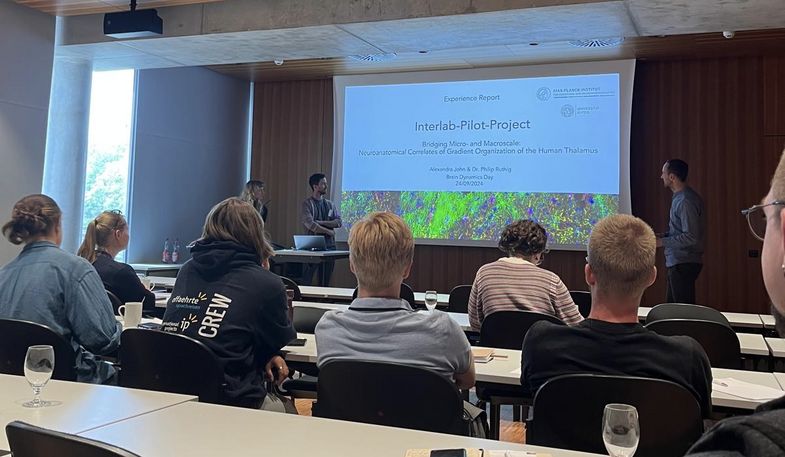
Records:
x=133, y=23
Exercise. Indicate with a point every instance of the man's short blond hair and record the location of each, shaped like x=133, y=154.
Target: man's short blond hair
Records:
x=622, y=252
x=381, y=247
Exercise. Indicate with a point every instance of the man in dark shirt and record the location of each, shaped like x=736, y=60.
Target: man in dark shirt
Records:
x=320, y=217
x=683, y=242
x=620, y=266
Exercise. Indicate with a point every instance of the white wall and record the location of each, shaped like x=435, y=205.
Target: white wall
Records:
x=191, y=141
x=26, y=52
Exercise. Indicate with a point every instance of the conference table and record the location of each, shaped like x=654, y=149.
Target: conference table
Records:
x=505, y=368
x=200, y=429
x=283, y=256
x=79, y=407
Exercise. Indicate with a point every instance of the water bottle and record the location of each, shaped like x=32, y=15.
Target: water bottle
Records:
x=176, y=251
x=167, y=255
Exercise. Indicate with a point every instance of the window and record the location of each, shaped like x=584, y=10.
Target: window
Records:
x=108, y=144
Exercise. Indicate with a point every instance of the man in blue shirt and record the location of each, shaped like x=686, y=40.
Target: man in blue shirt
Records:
x=683, y=242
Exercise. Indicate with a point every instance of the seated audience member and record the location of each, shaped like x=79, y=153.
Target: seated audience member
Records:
x=379, y=325
x=516, y=282
x=762, y=433
x=226, y=298
x=620, y=266
x=105, y=237
x=49, y=286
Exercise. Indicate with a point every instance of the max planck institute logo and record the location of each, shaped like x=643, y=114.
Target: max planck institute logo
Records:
x=543, y=93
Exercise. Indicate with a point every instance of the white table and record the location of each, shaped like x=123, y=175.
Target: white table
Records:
x=162, y=281
x=83, y=407
x=780, y=377
x=200, y=429
x=152, y=268
x=768, y=320
x=777, y=346
x=753, y=344
x=729, y=401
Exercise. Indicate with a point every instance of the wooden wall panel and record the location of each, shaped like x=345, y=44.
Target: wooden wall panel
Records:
x=774, y=94
x=709, y=112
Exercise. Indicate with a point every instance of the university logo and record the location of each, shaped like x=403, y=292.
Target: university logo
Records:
x=567, y=110
x=543, y=93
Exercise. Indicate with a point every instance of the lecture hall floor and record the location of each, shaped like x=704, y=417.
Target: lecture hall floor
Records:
x=513, y=432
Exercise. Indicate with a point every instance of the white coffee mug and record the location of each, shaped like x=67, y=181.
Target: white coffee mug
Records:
x=132, y=314
x=147, y=283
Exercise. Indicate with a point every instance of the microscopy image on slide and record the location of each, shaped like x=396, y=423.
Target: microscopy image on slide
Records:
x=568, y=218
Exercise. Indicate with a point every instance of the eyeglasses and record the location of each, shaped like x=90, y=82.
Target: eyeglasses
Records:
x=757, y=223
x=542, y=257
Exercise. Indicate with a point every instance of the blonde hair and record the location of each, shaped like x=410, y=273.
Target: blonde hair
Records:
x=247, y=194
x=32, y=216
x=778, y=180
x=621, y=254
x=238, y=221
x=381, y=247
x=99, y=232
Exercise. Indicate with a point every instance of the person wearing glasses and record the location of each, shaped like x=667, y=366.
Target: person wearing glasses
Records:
x=761, y=433
x=106, y=236
x=611, y=340
x=683, y=242
x=49, y=286
x=517, y=282
x=253, y=193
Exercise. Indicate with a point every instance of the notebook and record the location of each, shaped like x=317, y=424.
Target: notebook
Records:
x=310, y=243
x=483, y=355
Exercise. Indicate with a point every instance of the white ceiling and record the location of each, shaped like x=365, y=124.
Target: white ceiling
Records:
x=465, y=37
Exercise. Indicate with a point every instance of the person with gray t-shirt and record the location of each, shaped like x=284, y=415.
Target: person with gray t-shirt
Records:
x=683, y=242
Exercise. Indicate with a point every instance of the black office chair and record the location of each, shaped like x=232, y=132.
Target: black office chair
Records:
x=406, y=293
x=27, y=440
x=306, y=317
x=16, y=336
x=719, y=341
x=291, y=285
x=459, y=299
x=304, y=385
x=506, y=330
x=116, y=302
x=168, y=362
x=583, y=300
x=567, y=413
x=685, y=311
x=375, y=393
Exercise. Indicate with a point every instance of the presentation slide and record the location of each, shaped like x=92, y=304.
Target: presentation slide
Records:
x=461, y=159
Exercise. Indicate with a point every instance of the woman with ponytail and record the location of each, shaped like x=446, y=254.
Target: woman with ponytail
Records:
x=47, y=285
x=106, y=236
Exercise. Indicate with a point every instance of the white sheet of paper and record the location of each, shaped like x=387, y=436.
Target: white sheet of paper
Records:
x=746, y=390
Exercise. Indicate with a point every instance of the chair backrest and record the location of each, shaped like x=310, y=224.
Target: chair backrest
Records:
x=459, y=299
x=685, y=311
x=306, y=318
x=376, y=393
x=16, y=336
x=168, y=362
x=27, y=440
x=506, y=329
x=291, y=285
x=406, y=293
x=582, y=299
x=116, y=302
x=568, y=413
x=719, y=341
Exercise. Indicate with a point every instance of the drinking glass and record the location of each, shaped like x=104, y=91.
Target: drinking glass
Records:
x=620, y=429
x=431, y=297
x=39, y=364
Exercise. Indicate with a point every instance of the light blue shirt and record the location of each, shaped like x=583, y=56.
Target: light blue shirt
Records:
x=686, y=229
x=388, y=330
x=49, y=286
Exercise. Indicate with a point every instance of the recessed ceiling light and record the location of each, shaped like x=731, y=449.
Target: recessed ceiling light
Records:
x=598, y=42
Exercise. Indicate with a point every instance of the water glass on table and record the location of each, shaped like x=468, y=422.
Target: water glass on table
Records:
x=620, y=429
x=39, y=365
x=431, y=298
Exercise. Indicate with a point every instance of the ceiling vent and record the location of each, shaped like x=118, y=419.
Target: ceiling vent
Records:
x=386, y=57
x=598, y=42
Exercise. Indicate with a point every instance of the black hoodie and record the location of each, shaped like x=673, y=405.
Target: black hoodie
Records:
x=225, y=299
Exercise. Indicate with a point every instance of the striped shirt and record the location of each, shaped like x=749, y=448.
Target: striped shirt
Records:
x=511, y=283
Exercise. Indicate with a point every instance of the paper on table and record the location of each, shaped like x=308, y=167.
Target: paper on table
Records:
x=483, y=355
x=746, y=390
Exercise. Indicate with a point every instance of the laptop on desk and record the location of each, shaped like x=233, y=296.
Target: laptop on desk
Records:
x=310, y=243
